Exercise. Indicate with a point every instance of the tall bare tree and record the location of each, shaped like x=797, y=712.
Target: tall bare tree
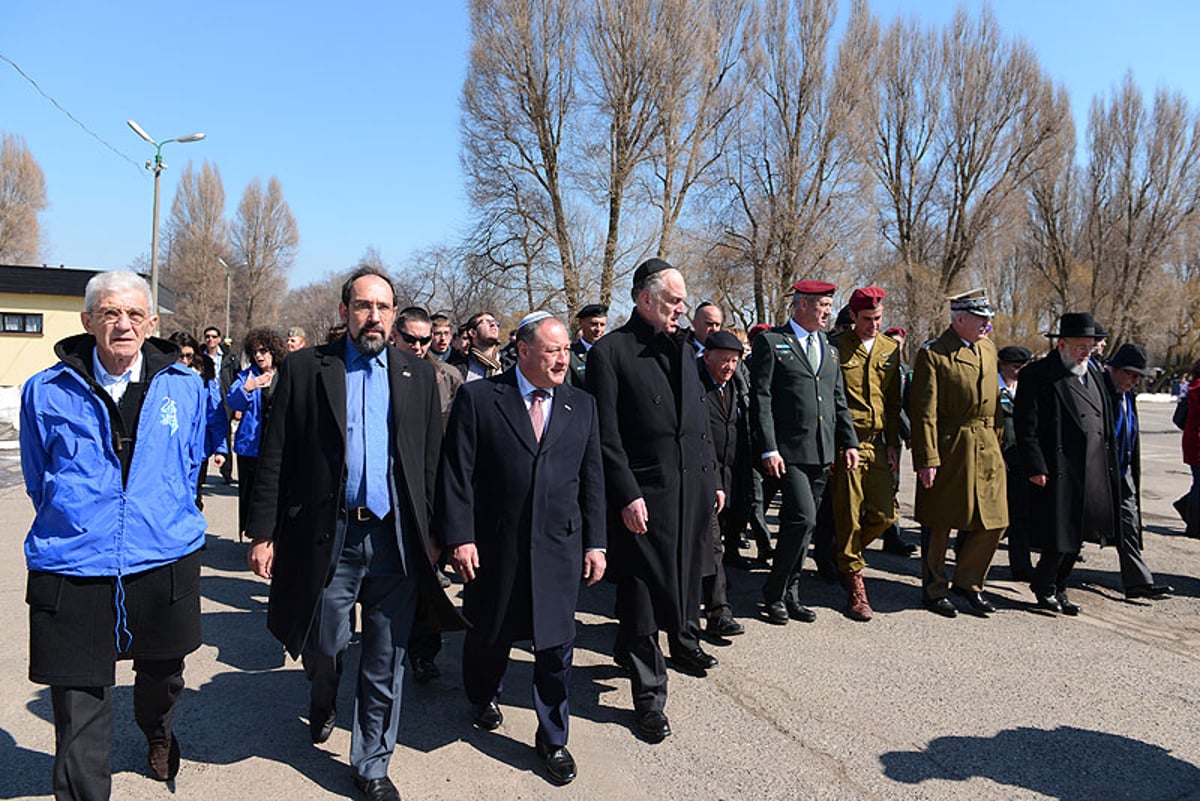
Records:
x=518, y=102
x=22, y=199
x=1142, y=184
x=197, y=236
x=265, y=239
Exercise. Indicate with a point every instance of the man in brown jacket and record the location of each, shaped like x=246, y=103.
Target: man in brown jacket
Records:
x=956, y=420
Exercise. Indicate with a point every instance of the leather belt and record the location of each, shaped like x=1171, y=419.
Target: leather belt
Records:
x=361, y=514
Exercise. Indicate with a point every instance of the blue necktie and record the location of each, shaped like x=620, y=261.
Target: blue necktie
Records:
x=375, y=420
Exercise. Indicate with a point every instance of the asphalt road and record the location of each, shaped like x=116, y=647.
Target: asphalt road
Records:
x=1103, y=707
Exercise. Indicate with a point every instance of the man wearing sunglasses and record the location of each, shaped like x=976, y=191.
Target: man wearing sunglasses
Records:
x=227, y=365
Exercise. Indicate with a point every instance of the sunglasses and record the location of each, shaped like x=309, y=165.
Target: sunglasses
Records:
x=212, y=336
x=412, y=340
x=262, y=351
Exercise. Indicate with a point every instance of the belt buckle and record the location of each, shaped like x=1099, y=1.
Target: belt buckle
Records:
x=362, y=514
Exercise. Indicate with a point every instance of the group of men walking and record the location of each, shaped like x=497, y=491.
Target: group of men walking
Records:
x=624, y=455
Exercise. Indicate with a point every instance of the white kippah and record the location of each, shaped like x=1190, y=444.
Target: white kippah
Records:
x=533, y=317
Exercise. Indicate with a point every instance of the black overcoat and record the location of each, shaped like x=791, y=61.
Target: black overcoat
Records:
x=1075, y=505
x=655, y=442
x=531, y=508
x=299, y=489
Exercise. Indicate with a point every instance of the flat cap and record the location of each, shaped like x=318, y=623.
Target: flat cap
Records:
x=592, y=310
x=648, y=268
x=297, y=331
x=867, y=297
x=723, y=340
x=813, y=287
x=974, y=301
x=1014, y=354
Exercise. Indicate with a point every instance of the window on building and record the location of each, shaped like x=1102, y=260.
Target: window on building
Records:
x=20, y=323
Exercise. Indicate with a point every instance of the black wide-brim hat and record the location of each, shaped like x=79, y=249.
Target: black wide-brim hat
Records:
x=1075, y=324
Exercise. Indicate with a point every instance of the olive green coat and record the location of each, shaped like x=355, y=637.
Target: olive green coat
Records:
x=954, y=405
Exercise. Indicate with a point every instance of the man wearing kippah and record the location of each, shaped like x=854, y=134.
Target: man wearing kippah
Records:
x=954, y=404
x=864, y=500
x=799, y=425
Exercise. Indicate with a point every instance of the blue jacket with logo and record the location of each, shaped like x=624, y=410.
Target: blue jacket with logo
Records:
x=90, y=521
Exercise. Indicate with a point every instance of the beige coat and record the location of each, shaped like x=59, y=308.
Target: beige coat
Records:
x=954, y=404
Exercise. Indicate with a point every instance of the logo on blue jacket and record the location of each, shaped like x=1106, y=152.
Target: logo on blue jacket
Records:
x=167, y=415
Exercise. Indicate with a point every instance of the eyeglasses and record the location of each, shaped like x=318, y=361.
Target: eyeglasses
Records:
x=412, y=340
x=366, y=306
x=110, y=315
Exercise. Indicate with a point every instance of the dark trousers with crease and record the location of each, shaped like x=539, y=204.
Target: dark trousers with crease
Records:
x=802, y=487
x=484, y=665
x=1134, y=572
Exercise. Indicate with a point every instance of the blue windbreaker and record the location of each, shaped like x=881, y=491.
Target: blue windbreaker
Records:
x=217, y=431
x=250, y=404
x=89, y=521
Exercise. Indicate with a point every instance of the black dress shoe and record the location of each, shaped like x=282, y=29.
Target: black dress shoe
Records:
x=802, y=613
x=377, y=789
x=1049, y=603
x=724, y=627
x=1148, y=590
x=979, y=605
x=1068, y=608
x=560, y=765
x=163, y=759
x=320, y=723
x=653, y=726
x=425, y=670
x=898, y=547
x=941, y=606
x=694, y=663
x=776, y=612
x=488, y=717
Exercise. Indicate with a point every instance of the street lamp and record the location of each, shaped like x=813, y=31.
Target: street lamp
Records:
x=228, y=284
x=158, y=166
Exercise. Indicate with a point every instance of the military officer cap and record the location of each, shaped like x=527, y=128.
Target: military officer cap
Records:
x=867, y=297
x=813, y=287
x=723, y=340
x=648, y=268
x=1014, y=354
x=974, y=301
x=1130, y=356
x=592, y=310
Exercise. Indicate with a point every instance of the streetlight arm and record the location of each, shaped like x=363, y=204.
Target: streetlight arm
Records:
x=137, y=129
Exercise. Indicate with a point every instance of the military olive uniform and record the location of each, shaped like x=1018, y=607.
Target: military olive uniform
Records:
x=954, y=404
x=864, y=501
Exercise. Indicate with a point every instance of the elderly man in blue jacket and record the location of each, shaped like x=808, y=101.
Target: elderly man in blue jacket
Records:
x=112, y=437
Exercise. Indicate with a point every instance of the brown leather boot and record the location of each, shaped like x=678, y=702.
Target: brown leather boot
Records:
x=857, y=607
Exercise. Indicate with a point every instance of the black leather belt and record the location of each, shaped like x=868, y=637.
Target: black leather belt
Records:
x=361, y=514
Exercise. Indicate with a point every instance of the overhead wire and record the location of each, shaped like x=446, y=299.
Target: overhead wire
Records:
x=71, y=116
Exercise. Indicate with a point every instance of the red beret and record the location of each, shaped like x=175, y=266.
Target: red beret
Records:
x=895, y=331
x=811, y=287
x=867, y=297
x=756, y=329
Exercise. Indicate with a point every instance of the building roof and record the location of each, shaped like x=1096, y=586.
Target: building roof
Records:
x=68, y=281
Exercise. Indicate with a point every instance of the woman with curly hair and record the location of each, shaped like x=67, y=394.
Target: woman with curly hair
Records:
x=250, y=394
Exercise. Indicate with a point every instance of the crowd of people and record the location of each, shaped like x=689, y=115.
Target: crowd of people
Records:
x=647, y=455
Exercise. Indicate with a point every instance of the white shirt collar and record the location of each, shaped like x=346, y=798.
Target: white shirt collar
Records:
x=799, y=330
x=115, y=385
x=526, y=387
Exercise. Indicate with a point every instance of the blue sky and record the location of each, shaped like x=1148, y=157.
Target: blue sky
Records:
x=354, y=106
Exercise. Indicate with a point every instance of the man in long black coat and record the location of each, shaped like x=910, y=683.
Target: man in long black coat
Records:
x=1068, y=453
x=522, y=511
x=322, y=550
x=660, y=479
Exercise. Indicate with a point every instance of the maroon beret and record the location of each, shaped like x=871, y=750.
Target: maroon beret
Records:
x=813, y=287
x=867, y=297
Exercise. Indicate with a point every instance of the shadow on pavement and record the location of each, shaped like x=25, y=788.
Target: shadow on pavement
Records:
x=1066, y=763
x=26, y=772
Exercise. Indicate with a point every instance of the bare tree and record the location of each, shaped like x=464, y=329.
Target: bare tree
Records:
x=197, y=236
x=22, y=199
x=313, y=307
x=1141, y=187
x=518, y=100
x=265, y=239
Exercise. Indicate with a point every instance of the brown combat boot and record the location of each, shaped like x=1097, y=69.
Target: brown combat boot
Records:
x=857, y=607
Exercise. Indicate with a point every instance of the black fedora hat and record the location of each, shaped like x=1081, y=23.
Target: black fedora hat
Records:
x=1075, y=324
x=1132, y=357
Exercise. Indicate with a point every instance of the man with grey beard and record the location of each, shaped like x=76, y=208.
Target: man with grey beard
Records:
x=1065, y=437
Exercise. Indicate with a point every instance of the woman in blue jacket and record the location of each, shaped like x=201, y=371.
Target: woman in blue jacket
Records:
x=250, y=397
x=216, y=429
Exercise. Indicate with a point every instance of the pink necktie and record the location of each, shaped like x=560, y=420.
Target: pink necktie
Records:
x=537, y=413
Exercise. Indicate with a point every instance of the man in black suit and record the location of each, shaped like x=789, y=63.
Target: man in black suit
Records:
x=592, y=320
x=660, y=480
x=520, y=505
x=340, y=515
x=717, y=367
x=799, y=420
x=1065, y=438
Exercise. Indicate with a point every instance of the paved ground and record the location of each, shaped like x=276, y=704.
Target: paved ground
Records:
x=1105, y=707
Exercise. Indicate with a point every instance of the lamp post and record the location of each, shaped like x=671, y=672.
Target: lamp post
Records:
x=228, y=285
x=158, y=166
